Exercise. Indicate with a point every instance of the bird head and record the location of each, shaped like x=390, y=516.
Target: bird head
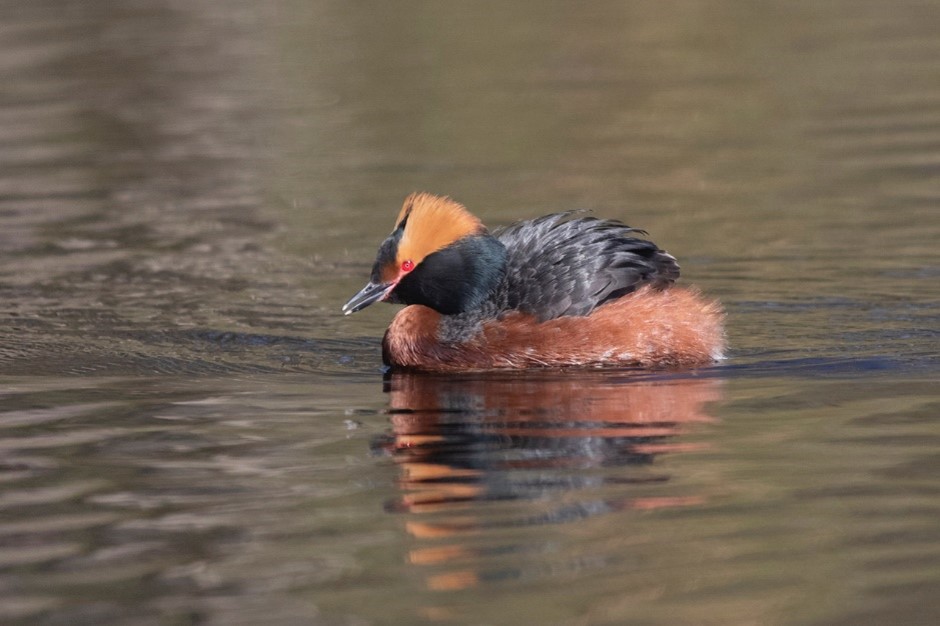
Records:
x=439, y=255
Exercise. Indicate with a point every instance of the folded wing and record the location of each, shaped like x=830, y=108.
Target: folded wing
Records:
x=560, y=264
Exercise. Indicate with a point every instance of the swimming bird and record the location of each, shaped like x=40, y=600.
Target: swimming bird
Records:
x=557, y=291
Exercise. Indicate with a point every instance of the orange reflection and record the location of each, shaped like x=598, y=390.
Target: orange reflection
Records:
x=466, y=446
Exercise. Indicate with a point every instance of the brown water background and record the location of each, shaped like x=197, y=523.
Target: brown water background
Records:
x=192, y=433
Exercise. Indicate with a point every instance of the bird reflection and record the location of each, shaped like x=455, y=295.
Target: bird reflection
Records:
x=487, y=454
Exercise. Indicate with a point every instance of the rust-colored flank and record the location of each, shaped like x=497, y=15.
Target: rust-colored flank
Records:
x=653, y=329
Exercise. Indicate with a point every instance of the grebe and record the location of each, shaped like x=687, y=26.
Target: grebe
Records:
x=557, y=291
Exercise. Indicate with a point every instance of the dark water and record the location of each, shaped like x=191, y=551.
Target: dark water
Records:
x=191, y=433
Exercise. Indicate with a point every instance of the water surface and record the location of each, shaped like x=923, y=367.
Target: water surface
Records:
x=191, y=432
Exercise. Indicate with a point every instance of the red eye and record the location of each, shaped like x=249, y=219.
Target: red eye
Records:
x=407, y=266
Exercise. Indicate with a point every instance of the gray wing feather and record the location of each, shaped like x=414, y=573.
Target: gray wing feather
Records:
x=561, y=265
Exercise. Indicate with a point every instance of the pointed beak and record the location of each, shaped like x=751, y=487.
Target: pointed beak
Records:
x=373, y=292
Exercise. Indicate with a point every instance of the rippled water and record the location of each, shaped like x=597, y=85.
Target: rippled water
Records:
x=191, y=432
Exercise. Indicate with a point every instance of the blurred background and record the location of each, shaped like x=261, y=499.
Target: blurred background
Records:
x=193, y=433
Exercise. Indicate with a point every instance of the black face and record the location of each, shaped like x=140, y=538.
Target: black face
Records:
x=377, y=289
x=388, y=251
x=455, y=279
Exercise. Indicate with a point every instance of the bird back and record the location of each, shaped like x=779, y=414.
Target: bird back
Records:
x=561, y=265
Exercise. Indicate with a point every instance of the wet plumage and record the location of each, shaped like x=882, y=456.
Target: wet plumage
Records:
x=559, y=290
